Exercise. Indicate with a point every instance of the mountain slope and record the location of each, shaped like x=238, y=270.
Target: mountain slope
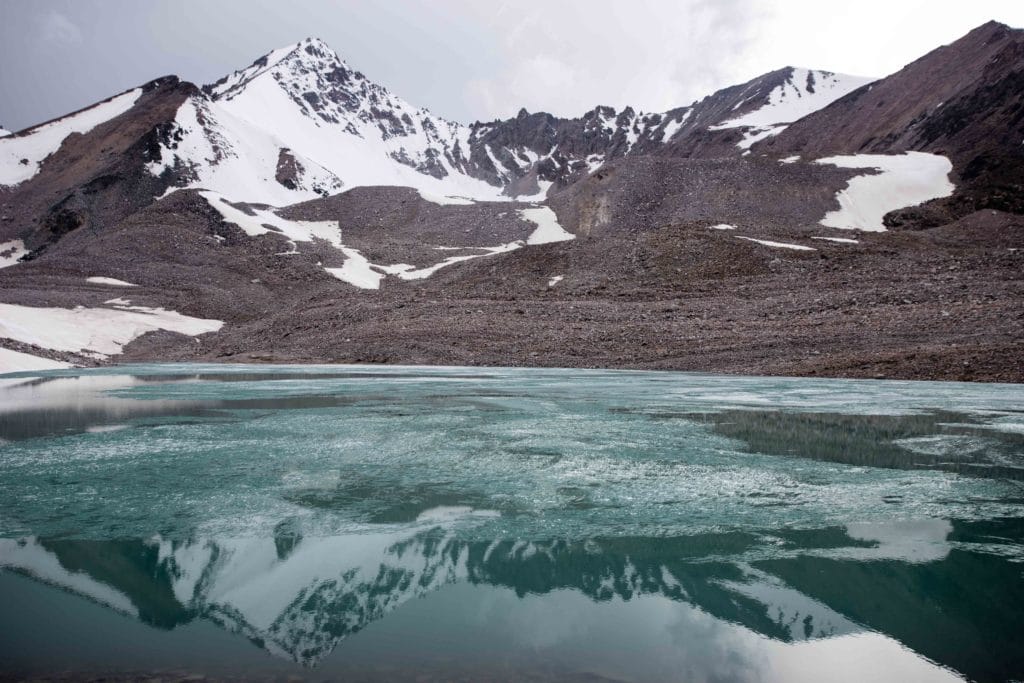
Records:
x=964, y=100
x=543, y=148
x=87, y=169
x=734, y=118
x=272, y=201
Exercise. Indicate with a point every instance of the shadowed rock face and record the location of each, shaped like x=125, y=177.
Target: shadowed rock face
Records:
x=97, y=178
x=952, y=100
x=609, y=134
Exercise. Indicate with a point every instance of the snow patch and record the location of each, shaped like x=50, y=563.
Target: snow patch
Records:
x=904, y=180
x=21, y=155
x=97, y=331
x=779, y=245
x=672, y=127
x=266, y=221
x=548, y=229
x=109, y=281
x=10, y=252
x=752, y=135
x=790, y=160
x=357, y=270
x=555, y=280
x=842, y=240
x=794, y=100
x=722, y=226
x=16, y=361
x=499, y=168
x=444, y=200
x=409, y=273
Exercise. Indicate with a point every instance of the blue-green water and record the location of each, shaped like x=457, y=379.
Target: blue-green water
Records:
x=495, y=524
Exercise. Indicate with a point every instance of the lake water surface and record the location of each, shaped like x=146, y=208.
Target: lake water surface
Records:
x=396, y=523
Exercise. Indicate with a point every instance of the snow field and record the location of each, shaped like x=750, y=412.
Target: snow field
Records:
x=904, y=180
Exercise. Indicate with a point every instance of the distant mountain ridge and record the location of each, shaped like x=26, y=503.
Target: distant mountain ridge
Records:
x=300, y=122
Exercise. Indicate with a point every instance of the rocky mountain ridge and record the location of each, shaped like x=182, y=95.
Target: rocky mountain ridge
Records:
x=304, y=116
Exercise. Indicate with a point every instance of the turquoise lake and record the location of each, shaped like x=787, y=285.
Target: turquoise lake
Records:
x=410, y=523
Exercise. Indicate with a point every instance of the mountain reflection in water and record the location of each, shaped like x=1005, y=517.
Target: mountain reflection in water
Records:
x=299, y=597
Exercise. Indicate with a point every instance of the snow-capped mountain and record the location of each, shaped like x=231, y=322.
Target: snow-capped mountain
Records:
x=801, y=92
x=245, y=200
x=300, y=122
x=4, y=132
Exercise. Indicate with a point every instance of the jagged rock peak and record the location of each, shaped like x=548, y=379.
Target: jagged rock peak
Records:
x=310, y=54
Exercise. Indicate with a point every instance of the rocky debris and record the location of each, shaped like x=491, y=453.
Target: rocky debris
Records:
x=647, y=192
x=942, y=304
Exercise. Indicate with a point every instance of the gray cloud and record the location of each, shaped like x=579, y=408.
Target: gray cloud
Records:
x=568, y=56
x=57, y=28
x=466, y=59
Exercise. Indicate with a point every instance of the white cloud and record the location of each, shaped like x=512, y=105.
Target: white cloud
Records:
x=568, y=56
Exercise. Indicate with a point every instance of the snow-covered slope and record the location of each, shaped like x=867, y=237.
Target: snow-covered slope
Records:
x=803, y=92
x=20, y=155
x=98, y=332
x=899, y=181
x=4, y=132
x=300, y=123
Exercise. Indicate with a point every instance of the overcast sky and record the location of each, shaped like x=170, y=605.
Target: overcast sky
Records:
x=469, y=59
